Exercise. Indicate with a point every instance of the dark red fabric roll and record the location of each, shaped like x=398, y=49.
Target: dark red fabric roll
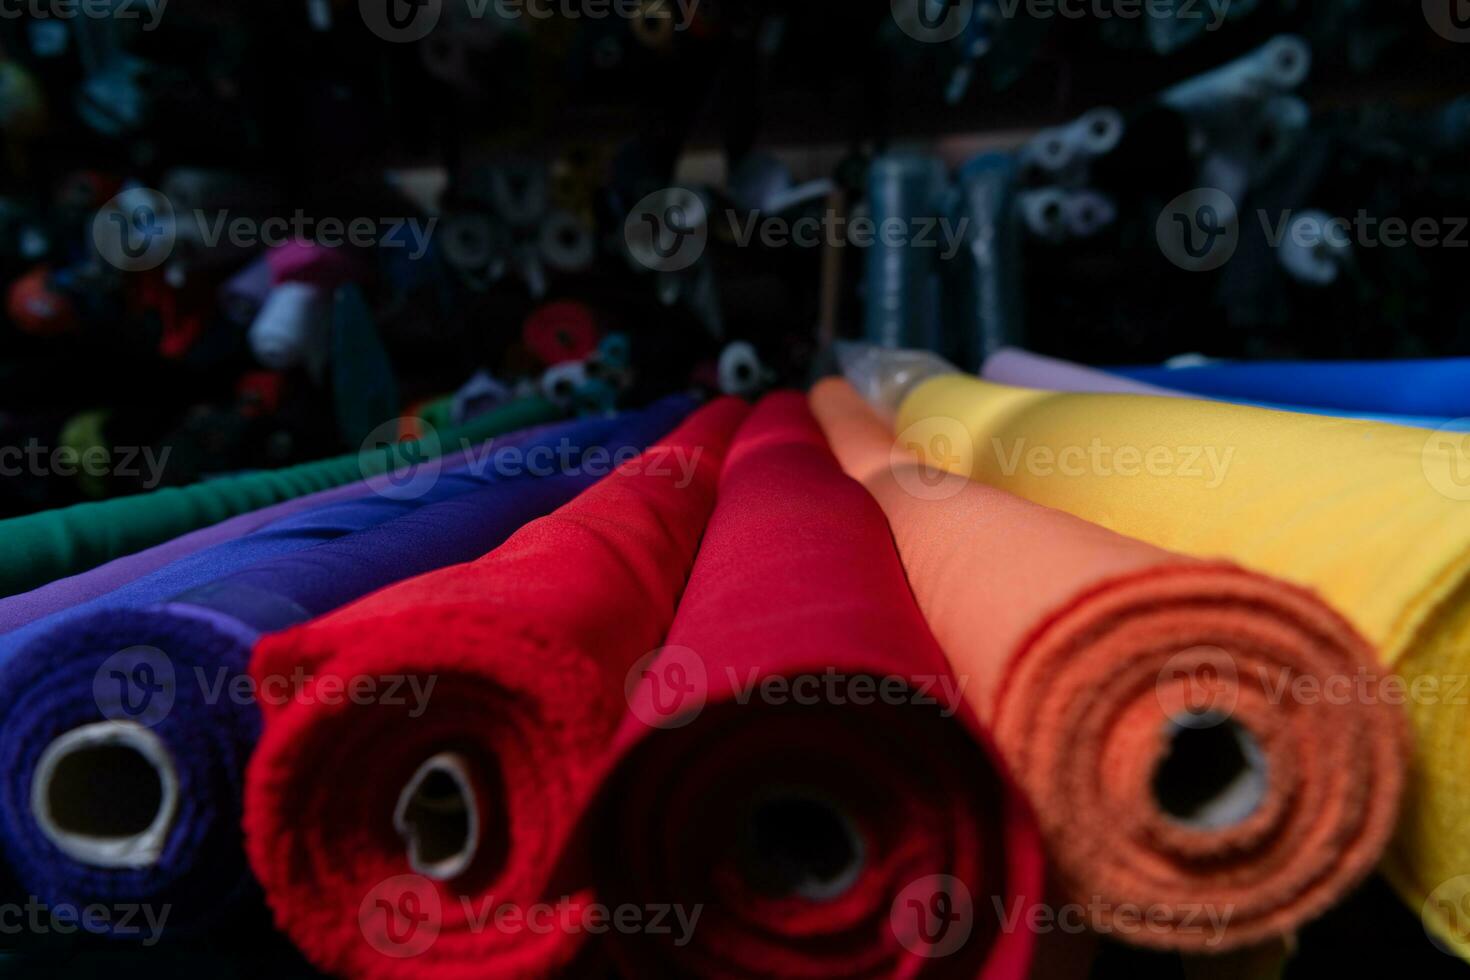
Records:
x=527, y=650
x=798, y=764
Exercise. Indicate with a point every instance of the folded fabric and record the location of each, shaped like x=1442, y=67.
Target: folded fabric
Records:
x=799, y=764
x=1372, y=516
x=43, y=547
x=440, y=864
x=18, y=610
x=1438, y=387
x=1024, y=369
x=126, y=731
x=1137, y=694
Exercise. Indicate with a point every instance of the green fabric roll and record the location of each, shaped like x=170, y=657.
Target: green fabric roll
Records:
x=439, y=413
x=40, y=548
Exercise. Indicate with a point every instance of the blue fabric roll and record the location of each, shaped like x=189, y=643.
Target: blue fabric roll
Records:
x=1426, y=389
x=177, y=669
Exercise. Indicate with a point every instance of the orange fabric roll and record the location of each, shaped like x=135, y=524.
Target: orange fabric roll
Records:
x=1154, y=707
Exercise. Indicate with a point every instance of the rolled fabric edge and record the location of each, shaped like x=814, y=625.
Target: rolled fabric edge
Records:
x=982, y=859
x=152, y=689
x=1115, y=713
x=330, y=855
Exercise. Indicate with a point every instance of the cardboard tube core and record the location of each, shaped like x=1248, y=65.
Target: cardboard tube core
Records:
x=106, y=794
x=438, y=817
x=1212, y=775
x=802, y=844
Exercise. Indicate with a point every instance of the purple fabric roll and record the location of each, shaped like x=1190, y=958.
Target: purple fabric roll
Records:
x=1022, y=369
x=18, y=610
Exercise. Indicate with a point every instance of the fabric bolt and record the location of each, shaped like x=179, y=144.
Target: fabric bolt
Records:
x=1438, y=387
x=1137, y=695
x=528, y=648
x=44, y=547
x=1371, y=516
x=762, y=777
x=414, y=489
x=1013, y=366
x=1027, y=370
x=196, y=648
x=18, y=610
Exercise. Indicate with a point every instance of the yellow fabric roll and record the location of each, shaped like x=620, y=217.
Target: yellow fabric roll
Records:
x=1375, y=517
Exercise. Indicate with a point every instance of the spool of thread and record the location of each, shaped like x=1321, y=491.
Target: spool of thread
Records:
x=612, y=362
x=470, y=241
x=741, y=371
x=313, y=264
x=85, y=434
x=1311, y=252
x=1048, y=154
x=1097, y=131
x=566, y=243
x=1275, y=68
x=1044, y=213
x=653, y=24
x=37, y=308
x=520, y=192
x=560, y=384
x=1088, y=212
x=902, y=280
x=243, y=294
x=294, y=328
x=560, y=332
x=616, y=352
x=477, y=396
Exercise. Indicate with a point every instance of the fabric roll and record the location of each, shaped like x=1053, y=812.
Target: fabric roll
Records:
x=799, y=763
x=181, y=700
x=1372, y=516
x=413, y=489
x=44, y=547
x=1013, y=366
x=1432, y=388
x=471, y=802
x=1027, y=370
x=1139, y=697
x=18, y=610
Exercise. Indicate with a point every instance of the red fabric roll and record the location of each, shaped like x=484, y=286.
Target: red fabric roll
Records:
x=527, y=649
x=799, y=764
